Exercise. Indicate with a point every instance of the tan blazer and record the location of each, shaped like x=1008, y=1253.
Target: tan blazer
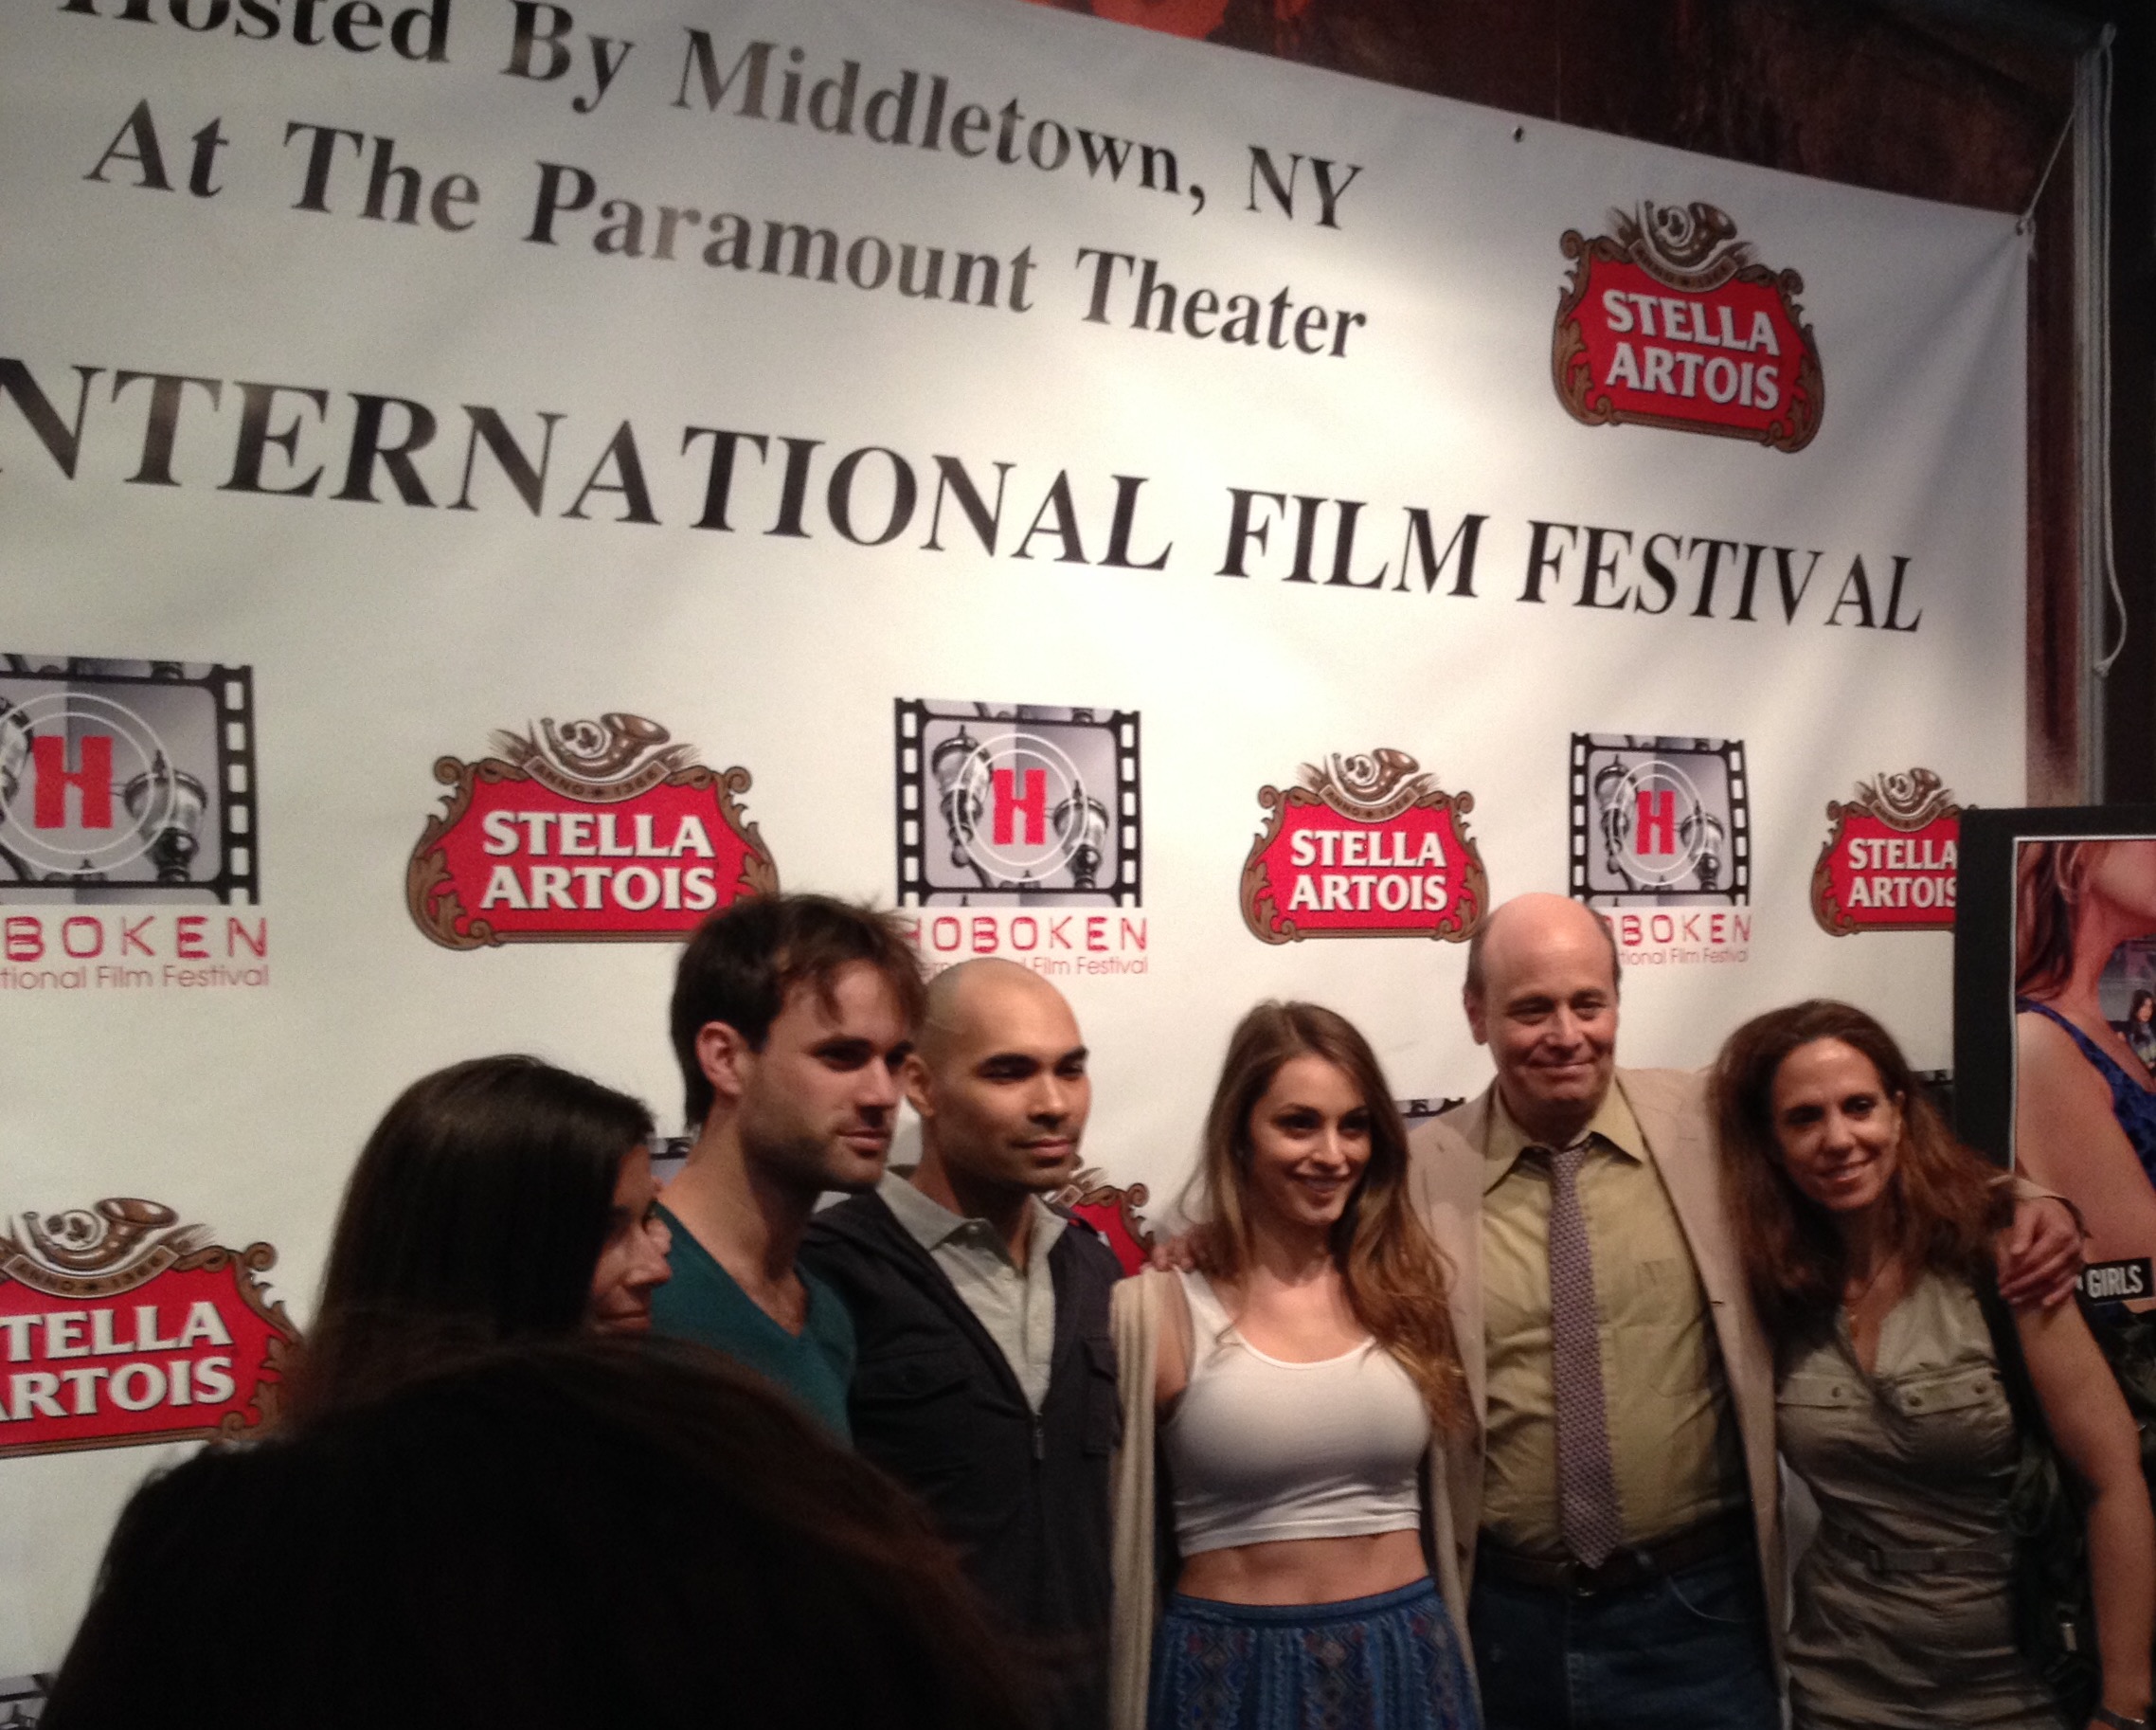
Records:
x=1445, y=1175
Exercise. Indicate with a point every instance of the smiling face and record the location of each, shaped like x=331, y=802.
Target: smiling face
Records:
x=1548, y=1012
x=999, y=1080
x=1836, y=1125
x=632, y=1261
x=818, y=1103
x=1309, y=1140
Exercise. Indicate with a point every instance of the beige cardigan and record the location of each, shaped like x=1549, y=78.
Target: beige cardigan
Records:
x=1136, y=1312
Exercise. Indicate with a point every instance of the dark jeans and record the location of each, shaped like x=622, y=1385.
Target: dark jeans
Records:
x=1683, y=1649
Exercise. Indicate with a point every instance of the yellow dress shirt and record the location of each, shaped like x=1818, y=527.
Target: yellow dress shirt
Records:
x=1673, y=1436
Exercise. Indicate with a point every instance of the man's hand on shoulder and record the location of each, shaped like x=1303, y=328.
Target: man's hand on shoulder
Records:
x=1177, y=1254
x=2040, y=1255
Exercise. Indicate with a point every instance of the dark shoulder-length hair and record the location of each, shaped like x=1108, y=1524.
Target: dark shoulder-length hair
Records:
x=1944, y=1202
x=1395, y=1279
x=476, y=1214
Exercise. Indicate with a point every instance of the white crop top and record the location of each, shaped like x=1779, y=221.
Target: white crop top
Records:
x=1260, y=1451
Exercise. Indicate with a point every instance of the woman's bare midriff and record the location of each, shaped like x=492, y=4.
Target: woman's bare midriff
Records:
x=1305, y=1570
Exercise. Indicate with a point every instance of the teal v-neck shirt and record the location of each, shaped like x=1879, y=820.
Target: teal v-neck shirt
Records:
x=703, y=1302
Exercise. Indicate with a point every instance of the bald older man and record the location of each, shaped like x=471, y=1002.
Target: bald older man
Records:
x=1616, y=1504
x=986, y=1378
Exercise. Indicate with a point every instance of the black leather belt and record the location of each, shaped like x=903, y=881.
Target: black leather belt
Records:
x=1634, y=1566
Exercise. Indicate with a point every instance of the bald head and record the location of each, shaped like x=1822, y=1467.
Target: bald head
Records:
x=963, y=998
x=998, y=1078
x=1532, y=915
x=1541, y=993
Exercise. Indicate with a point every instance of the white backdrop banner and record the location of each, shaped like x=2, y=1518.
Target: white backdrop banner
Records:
x=486, y=481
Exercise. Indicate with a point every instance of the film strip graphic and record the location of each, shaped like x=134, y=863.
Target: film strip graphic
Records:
x=1660, y=821
x=127, y=781
x=1017, y=806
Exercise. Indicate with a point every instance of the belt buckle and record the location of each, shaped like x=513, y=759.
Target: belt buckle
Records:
x=1621, y=1567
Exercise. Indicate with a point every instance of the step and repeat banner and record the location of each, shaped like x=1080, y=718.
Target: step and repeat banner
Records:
x=485, y=482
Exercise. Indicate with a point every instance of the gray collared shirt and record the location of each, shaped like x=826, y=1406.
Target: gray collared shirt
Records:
x=1016, y=1306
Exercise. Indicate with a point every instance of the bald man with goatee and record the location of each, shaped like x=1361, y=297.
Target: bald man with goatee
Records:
x=986, y=1378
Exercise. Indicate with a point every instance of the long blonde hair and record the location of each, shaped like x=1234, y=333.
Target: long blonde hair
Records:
x=1395, y=1279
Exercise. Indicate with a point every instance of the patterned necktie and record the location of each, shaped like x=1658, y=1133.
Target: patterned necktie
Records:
x=1586, y=1481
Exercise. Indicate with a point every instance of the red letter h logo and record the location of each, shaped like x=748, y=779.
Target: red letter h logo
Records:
x=1657, y=812
x=93, y=781
x=1010, y=802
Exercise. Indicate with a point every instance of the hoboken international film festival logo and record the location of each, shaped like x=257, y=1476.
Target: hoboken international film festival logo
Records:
x=130, y=849
x=587, y=832
x=1018, y=835
x=1890, y=863
x=1364, y=846
x=1669, y=321
x=124, y=1326
x=1662, y=843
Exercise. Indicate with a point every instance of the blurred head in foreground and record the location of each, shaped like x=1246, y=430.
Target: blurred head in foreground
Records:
x=587, y=1531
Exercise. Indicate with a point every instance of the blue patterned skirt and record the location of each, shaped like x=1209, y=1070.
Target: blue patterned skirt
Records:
x=1386, y=1663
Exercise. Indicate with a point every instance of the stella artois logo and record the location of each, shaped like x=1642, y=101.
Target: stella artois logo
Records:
x=124, y=1326
x=1890, y=863
x=591, y=832
x=1669, y=322
x=1364, y=846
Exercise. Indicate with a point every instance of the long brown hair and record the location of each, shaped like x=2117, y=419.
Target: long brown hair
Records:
x=1944, y=1202
x=2048, y=879
x=1395, y=1279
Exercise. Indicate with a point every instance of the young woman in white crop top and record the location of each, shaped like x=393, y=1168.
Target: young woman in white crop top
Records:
x=1293, y=1390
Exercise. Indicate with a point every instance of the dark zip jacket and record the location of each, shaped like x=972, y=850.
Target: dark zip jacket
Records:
x=936, y=1404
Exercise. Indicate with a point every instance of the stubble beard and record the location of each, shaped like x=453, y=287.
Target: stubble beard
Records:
x=801, y=1158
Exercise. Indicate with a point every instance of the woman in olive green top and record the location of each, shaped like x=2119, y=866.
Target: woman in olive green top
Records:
x=1867, y=1230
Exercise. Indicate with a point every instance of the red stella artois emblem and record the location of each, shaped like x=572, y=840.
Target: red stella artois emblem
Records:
x=123, y=1326
x=1669, y=322
x=1366, y=846
x=591, y=832
x=1890, y=863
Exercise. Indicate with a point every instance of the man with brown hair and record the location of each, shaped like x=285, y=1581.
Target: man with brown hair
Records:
x=792, y=1016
